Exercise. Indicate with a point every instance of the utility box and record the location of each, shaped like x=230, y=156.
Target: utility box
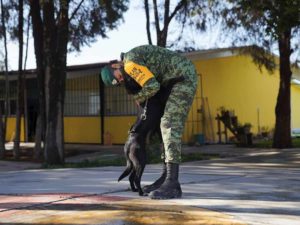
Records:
x=200, y=139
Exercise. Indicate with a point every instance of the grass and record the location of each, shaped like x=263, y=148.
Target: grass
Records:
x=120, y=161
x=296, y=142
x=100, y=162
x=268, y=143
x=198, y=156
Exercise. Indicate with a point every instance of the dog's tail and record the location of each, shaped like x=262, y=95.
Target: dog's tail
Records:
x=127, y=171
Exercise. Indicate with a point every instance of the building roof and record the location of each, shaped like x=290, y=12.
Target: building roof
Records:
x=195, y=55
x=233, y=51
x=211, y=53
x=69, y=68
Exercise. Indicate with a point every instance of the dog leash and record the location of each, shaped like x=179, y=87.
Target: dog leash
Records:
x=144, y=115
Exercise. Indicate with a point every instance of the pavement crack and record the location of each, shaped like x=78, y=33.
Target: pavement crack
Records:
x=62, y=199
x=112, y=192
x=47, y=203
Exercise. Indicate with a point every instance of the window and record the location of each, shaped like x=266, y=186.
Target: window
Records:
x=12, y=97
x=118, y=102
x=82, y=96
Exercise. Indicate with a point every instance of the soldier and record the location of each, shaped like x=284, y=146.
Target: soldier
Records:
x=144, y=70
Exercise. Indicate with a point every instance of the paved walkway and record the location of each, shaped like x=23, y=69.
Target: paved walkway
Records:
x=248, y=186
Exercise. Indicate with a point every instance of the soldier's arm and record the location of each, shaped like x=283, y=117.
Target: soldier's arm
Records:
x=145, y=78
x=148, y=90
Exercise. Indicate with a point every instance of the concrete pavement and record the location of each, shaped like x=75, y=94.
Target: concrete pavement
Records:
x=248, y=186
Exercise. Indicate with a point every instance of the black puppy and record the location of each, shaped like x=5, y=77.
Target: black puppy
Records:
x=148, y=122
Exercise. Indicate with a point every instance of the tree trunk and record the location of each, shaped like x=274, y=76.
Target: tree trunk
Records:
x=162, y=39
x=56, y=58
x=25, y=112
x=20, y=89
x=146, y=6
x=162, y=34
x=37, y=29
x=38, y=148
x=4, y=112
x=282, y=134
x=2, y=140
x=54, y=143
x=2, y=132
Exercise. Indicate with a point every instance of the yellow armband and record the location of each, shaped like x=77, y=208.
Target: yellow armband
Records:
x=140, y=74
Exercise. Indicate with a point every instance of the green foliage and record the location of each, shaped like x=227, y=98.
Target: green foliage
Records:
x=154, y=153
x=261, y=23
x=266, y=23
x=93, y=18
x=120, y=161
x=268, y=143
x=260, y=57
x=100, y=162
x=194, y=13
x=163, y=14
x=10, y=12
x=198, y=156
x=88, y=19
x=186, y=157
x=272, y=17
x=197, y=16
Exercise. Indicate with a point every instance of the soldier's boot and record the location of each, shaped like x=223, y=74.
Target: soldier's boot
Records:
x=148, y=188
x=171, y=186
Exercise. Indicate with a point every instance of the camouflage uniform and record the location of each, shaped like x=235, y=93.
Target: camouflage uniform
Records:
x=152, y=67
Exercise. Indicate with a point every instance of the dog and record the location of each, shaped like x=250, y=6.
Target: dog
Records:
x=147, y=123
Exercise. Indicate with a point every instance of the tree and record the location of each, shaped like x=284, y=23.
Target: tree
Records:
x=2, y=136
x=4, y=107
x=2, y=139
x=38, y=37
x=264, y=23
x=20, y=89
x=161, y=18
x=55, y=24
x=12, y=26
x=195, y=16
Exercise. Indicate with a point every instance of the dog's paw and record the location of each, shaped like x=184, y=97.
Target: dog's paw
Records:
x=134, y=189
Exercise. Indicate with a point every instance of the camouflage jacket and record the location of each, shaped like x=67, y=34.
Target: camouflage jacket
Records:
x=152, y=66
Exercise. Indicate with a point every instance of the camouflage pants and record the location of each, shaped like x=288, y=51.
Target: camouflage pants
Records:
x=175, y=114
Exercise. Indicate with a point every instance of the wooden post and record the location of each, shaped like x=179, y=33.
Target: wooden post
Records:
x=219, y=129
x=226, y=134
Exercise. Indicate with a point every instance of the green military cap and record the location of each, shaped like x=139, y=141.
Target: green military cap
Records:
x=107, y=75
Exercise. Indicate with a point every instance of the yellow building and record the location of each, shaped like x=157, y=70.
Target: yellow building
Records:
x=233, y=81
x=97, y=114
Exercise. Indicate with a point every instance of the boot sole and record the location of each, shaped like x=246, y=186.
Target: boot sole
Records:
x=177, y=195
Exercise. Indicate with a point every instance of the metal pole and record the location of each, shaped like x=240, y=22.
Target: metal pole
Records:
x=102, y=105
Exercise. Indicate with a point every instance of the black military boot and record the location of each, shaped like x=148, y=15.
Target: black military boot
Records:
x=171, y=187
x=148, y=188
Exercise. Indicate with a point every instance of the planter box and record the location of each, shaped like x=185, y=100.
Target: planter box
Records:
x=200, y=139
